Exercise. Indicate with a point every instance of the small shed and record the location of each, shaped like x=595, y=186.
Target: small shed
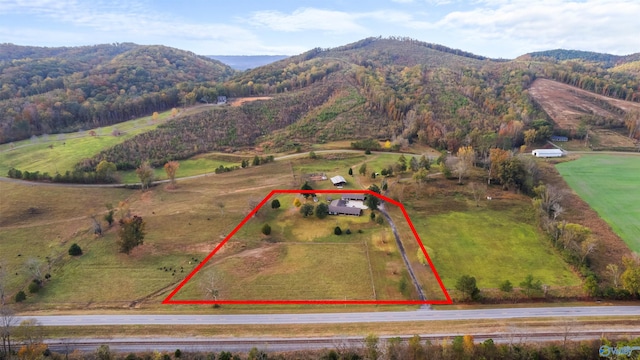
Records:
x=338, y=180
x=559, y=138
x=547, y=153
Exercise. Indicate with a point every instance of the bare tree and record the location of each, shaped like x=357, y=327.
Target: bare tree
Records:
x=614, y=270
x=29, y=332
x=549, y=196
x=253, y=203
x=211, y=285
x=220, y=205
x=97, y=227
x=35, y=269
x=587, y=247
x=557, y=210
x=478, y=192
x=7, y=322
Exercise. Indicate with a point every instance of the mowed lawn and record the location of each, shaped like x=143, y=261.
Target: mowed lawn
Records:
x=611, y=186
x=493, y=246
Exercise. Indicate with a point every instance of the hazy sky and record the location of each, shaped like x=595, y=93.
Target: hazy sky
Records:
x=494, y=28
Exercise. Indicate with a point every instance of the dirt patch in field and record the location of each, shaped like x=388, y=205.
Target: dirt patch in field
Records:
x=565, y=104
x=612, y=248
x=240, y=101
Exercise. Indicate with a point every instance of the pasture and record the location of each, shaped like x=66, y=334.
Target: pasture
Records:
x=609, y=183
x=494, y=242
x=302, y=259
x=60, y=152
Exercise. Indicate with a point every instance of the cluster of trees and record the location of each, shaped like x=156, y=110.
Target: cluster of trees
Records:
x=77, y=88
x=76, y=176
x=594, y=78
x=219, y=129
x=370, y=347
x=576, y=243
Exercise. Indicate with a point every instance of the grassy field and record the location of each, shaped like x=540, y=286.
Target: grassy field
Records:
x=200, y=164
x=498, y=241
x=60, y=152
x=494, y=242
x=609, y=183
x=302, y=259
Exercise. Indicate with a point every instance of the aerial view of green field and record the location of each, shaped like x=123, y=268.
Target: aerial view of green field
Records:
x=609, y=183
x=348, y=193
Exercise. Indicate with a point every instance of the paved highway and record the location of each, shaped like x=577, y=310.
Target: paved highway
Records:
x=335, y=318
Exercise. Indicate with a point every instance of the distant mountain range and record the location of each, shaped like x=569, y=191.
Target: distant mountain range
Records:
x=397, y=89
x=245, y=62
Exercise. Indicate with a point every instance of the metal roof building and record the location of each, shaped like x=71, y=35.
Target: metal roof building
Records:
x=547, y=153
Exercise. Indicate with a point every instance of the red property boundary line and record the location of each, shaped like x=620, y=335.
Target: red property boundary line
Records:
x=448, y=301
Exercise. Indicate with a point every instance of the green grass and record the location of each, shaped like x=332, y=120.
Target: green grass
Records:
x=303, y=259
x=492, y=245
x=60, y=152
x=194, y=166
x=610, y=184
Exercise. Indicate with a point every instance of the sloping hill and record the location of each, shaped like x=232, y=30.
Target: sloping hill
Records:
x=569, y=107
x=52, y=90
x=607, y=60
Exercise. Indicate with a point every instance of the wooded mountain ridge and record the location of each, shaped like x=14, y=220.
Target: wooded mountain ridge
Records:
x=53, y=90
x=399, y=89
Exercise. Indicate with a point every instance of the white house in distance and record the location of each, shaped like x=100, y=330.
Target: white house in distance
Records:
x=547, y=153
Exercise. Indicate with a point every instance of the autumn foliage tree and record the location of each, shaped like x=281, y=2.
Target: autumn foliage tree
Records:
x=466, y=156
x=171, y=168
x=131, y=233
x=496, y=158
x=145, y=174
x=632, y=121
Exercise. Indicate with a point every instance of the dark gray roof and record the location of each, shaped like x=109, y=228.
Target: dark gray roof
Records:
x=339, y=207
x=353, y=197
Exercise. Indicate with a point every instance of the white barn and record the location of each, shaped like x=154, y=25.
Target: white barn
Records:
x=547, y=153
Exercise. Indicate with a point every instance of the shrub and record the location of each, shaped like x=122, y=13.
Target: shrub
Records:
x=177, y=354
x=337, y=230
x=275, y=204
x=34, y=287
x=75, y=250
x=348, y=232
x=20, y=296
x=266, y=229
x=322, y=210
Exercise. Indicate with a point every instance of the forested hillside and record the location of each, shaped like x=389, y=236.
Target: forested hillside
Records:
x=396, y=89
x=52, y=90
x=605, y=60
